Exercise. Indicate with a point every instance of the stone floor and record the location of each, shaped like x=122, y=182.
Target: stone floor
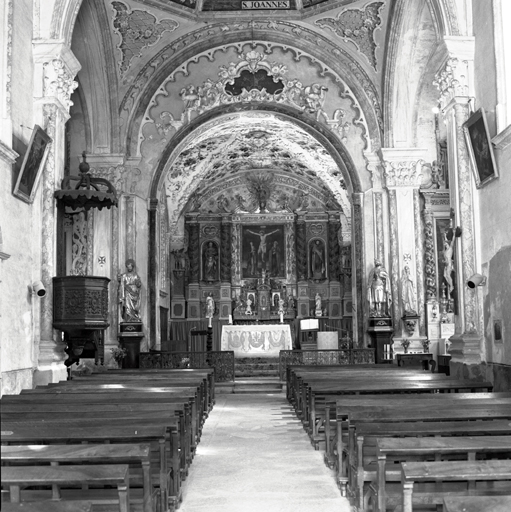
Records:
x=255, y=456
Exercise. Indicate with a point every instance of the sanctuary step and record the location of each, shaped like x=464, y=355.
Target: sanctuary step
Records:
x=248, y=367
x=268, y=385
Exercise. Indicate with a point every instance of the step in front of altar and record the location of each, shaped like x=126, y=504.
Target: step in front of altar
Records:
x=256, y=366
x=251, y=385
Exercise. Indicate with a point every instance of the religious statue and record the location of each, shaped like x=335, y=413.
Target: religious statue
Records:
x=252, y=261
x=408, y=292
x=210, y=306
x=129, y=293
x=274, y=259
x=317, y=301
x=317, y=260
x=378, y=292
x=448, y=251
x=261, y=250
x=210, y=270
x=281, y=305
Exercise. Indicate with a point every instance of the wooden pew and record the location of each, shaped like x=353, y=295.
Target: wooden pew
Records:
x=135, y=454
x=452, y=471
x=477, y=504
x=453, y=411
x=403, y=449
x=117, y=475
x=53, y=434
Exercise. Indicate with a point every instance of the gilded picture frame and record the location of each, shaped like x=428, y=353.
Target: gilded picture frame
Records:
x=480, y=148
x=34, y=160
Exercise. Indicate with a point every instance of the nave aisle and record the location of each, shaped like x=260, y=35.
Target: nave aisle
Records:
x=254, y=456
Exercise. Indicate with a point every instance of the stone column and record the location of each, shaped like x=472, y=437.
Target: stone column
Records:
x=375, y=168
x=454, y=80
x=152, y=259
x=334, y=255
x=194, y=310
x=55, y=67
x=403, y=175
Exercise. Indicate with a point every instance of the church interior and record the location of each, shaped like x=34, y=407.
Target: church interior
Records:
x=190, y=176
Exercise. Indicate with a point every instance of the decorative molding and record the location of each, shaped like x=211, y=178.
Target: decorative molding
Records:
x=137, y=30
x=309, y=99
x=466, y=221
x=429, y=256
x=419, y=262
x=503, y=139
x=282, y=30
x=8, y=60
x=455, y=79
x=124, y=179
x=357, y=26
x=7, y=154
x=378, y=218
x=403, y=174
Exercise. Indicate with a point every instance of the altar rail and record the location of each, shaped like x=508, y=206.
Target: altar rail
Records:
x=324, y=357
x=221, y=361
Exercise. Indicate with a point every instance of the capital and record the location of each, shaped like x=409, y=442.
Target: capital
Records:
x=56, y=68
x=403, y=167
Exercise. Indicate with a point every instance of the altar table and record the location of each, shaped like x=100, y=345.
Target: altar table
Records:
x=256, y=340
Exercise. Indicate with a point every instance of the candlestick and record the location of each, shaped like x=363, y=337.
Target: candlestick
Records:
x=230, y=319
x=282, y=318
x=209, y=324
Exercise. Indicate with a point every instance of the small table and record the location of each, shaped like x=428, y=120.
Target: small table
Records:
x=418, y=359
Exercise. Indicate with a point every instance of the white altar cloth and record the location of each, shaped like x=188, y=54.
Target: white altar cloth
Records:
x=256, y=340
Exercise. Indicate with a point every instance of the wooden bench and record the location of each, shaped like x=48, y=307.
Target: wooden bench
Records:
x=55, y=434
x=452, y=471
x=403, y=449
x=477, y=504
x=16, y=477
x=137, y=454
x=450, y=411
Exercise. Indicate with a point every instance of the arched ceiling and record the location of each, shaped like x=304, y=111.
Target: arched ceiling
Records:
x=215, y=162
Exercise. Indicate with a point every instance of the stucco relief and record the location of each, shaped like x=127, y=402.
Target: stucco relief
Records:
x=453, y=79
x=357, y=26
x=137, y=30
x=58, y=82
x=403, y=174
x=124, y=179
x=232, y=87
x=281, y=29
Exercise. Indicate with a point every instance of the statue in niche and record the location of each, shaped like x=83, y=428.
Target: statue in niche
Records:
x=317, y=302
x=248, y=310
x=210, y=262
x=378, y=292
x=129, y=293
x=274, y=259
x=210, y=306
x=408, y=292
x=317, y=259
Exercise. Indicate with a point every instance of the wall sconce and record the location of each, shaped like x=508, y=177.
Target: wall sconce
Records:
x=38, y=289
x=476, y=280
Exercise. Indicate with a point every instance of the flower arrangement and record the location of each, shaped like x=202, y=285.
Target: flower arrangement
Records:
x=425, y=346
x=118, y=354
x=405, y=344
x=185, y=362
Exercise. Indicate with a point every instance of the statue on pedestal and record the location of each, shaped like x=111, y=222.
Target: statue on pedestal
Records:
x=129, y=293
x=378, y=291
x=408, y=293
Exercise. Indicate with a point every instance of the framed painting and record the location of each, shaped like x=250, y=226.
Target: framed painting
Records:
x=32, y=166
x=263, y=248
x=480, y=148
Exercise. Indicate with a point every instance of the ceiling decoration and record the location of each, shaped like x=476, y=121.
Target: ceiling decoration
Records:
x=232, y=88
x=357, y=26
x=137, y=30
x=208, y=173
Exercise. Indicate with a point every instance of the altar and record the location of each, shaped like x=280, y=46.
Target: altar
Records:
x=256, y=340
